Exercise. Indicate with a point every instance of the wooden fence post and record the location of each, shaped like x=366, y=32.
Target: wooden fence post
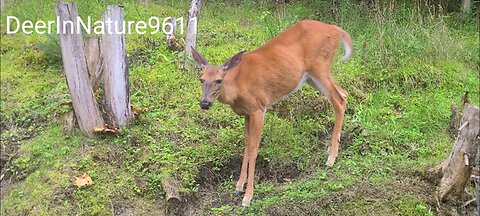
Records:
x=116, y=84
x=75, y=68
x=191, y=37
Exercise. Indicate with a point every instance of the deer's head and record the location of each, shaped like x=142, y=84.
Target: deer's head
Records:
x=212, y=76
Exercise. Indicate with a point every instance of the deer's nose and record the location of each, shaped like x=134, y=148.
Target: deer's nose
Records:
x=205, y=104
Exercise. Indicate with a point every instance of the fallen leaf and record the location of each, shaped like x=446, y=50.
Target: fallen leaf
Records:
x=136, y=111
x=68, y=102
x=99, y=129
x=83, y=181
x=106, y=129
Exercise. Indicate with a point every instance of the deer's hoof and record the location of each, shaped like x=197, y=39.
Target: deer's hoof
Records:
x=330, y=161
x=246, y=201
x=238, y=192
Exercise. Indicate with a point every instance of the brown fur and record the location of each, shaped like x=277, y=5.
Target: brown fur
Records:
x=272, y=71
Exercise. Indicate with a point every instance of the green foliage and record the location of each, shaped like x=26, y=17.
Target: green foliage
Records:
x=410, y=64
x=51, y=49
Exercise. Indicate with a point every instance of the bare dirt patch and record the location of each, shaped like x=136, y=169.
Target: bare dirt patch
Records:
x=210, y=177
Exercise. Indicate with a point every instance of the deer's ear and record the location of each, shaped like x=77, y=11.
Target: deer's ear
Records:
x=233, y=61
x=199, y=59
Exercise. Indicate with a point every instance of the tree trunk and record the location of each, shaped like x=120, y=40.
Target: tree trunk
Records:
x=75, y=68
x=477, y=182
x=191, y=37
x=94, y=60
x=466, y=5
x=172, y=42
x=116, y=87
x=457, y=168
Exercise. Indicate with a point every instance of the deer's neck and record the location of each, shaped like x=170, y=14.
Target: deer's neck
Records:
x=228, y=92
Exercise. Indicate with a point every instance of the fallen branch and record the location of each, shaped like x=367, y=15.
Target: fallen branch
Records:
x=170, y=186
x=468, y=202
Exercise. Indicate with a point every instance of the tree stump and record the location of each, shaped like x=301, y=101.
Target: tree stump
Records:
x=457, y=168
x=94, y=61
x=115, y=67
x=466, y=5
x=191, y=37
x=75, y=67
x=172, y=42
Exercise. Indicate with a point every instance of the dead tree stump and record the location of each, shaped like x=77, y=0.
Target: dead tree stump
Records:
x=191, y=37
x=116, y=87
x=75, y=68
x=457, y=168
x=94, y=61
x=172, y=42
x=466, y=5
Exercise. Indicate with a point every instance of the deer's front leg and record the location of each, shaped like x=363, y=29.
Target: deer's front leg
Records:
x=255, y=129
x=243, y=172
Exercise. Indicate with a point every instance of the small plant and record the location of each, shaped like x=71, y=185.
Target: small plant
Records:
x=51, y=49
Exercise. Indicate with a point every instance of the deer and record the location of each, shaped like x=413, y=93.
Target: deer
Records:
x=250, y=82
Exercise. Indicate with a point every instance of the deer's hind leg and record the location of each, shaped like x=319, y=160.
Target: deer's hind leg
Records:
x=321, y=79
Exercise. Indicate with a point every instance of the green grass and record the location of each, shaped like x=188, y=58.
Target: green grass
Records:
x=402, y=79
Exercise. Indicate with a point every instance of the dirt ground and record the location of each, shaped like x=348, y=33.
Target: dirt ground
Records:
x=362, y=198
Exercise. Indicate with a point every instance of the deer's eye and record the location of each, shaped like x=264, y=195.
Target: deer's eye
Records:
x=218, y=81
x=201, y=80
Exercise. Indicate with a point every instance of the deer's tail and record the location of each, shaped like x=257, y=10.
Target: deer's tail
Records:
x=347, y=44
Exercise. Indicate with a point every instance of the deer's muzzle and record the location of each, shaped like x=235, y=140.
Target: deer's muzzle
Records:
x=205, y=104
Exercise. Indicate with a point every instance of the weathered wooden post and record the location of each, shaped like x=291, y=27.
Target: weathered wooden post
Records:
x=116, y=84
x=457, y=168
x=94, y=60
x=466, y=5
x=477, y=181
x=172, y=42
x=75, y=68
x=191, y=37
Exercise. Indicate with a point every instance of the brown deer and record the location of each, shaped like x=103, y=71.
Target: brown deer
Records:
x=252, y=81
